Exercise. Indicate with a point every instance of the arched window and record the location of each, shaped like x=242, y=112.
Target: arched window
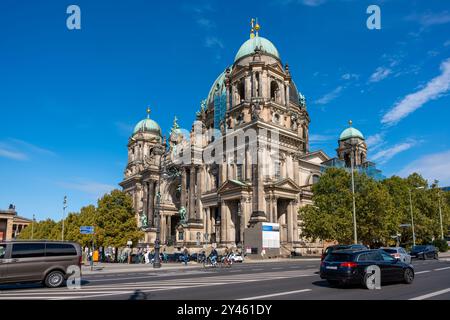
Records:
x=273, y=90
x=347, y=160
x=315, y=178
x=241, y=91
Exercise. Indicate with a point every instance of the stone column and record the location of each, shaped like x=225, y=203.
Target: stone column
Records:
x=199, y=191
x=295, y=219
x=163, y=228
x=151, y=204
x=290, y=226
x=248, y=165
x=183, y=188
x=274, y=210
x=296, y=170
x=191, y=213
x=287, y=94
x=223, y=221
x=242, y=212
x=145, y=199
x=248, y=87
x=258, y=207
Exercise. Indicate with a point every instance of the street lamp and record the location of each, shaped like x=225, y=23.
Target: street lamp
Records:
x=158, y=150
x=440, y=213
x=353, y=148
x=412, y=215
x=64, y=214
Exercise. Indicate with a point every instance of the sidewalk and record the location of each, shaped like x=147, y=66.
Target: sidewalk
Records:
x=109, y=268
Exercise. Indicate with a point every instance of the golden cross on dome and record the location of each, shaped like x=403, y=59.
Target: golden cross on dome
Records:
x=148, y=112
x=350, y=122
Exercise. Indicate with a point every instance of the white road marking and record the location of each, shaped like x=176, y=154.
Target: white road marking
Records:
x=442, y=269
x=432, y=294
x=276, y=294
x=426, y=271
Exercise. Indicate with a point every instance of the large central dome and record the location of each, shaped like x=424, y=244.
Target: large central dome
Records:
x=249, y=46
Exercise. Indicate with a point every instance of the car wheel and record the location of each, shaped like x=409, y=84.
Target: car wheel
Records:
x=408, y=276
x=54, y=279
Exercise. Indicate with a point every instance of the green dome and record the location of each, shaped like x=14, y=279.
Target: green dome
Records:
x=249, y=46
x=218, y=87
x=351, y=133
x=147, y=125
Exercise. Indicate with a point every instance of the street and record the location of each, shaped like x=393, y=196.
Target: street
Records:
x=296, y=280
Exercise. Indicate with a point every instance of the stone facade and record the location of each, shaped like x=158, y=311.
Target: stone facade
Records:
x=264, y=174
x=11, y=224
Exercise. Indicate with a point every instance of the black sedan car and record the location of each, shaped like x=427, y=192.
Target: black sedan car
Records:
x=350, y=267
x=330, y=249
x=424, y=252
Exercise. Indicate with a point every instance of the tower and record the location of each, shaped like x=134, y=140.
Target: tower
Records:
x=352, y=145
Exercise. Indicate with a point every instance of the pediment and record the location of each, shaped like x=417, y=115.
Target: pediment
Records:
x=316, y=156
x=287, y=184
x=232, y=185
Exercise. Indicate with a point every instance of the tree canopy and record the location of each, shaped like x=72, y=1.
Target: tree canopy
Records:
x=113, y=218
x=381, y=207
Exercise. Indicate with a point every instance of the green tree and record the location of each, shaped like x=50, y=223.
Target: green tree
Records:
x=331, y=216
x=114, y=221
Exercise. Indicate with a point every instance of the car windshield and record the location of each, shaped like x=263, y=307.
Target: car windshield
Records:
x=415, y=248
x=390, y=250
x=339, y=257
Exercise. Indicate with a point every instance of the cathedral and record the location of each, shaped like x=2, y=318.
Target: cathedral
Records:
x=245, y=160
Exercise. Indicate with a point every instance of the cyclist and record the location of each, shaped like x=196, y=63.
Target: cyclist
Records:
x=213, y=256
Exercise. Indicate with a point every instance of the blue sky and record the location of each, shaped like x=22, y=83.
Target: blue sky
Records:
x=70, y=98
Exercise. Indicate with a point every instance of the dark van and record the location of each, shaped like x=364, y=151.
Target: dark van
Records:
x=38, y=261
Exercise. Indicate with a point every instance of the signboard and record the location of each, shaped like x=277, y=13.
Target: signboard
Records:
x=87, y=230
x=270, y=235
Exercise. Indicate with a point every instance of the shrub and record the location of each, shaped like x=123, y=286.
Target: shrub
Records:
x=441, y=244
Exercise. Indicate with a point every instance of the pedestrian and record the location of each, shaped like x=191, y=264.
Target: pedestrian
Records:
x=185, y=256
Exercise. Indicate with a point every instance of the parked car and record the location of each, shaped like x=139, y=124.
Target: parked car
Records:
x=38, y=261
x=398, y=253
x=330, y=249
x=349, y=267
x=236, y=257
x=175, y=257
x=424, y=252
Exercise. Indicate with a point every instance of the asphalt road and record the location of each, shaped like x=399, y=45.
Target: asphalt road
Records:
x=297, y=280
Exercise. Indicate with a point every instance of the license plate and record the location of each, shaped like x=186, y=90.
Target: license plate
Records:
x=332, y=268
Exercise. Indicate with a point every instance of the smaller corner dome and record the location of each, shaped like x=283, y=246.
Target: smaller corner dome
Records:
x=351, y=133
x=249, y=46
x=147, y=125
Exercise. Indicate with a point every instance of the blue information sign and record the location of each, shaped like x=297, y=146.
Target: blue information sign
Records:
x=87, y=230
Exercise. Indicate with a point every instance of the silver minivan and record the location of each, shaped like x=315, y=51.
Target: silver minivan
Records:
x=38, y=261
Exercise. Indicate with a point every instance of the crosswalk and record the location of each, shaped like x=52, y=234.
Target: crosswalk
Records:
x=141, y=289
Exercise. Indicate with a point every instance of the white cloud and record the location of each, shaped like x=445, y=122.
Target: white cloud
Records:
x=10, y=154
x=431, y=166
x=16, y=149
x=349, y=76
x=124, y=128
x=434, y=89
x=429, y=19
x=447, y=43
x=211, y=42
x=330, y=96
x=313, y=3
x=375, y=141
x=206, y=23
x=386, y=154
x=316, y=138
x=89, y=187
x=380, y=74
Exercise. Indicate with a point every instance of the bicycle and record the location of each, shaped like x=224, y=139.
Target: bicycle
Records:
x=209, y=262
x=226, y=262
